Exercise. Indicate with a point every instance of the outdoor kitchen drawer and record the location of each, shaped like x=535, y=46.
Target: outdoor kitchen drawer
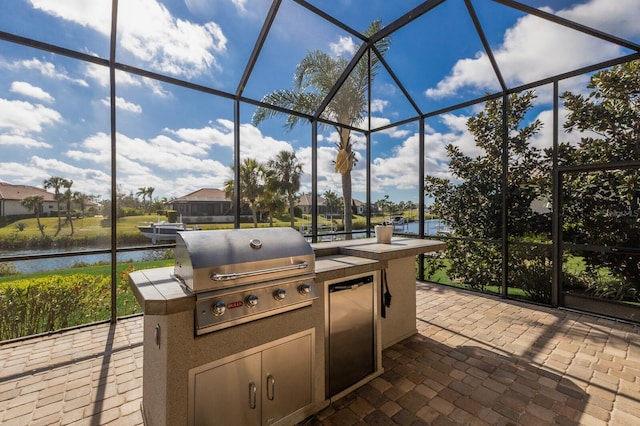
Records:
x=257, y=387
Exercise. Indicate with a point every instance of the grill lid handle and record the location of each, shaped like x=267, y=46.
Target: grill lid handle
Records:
x=226, y=277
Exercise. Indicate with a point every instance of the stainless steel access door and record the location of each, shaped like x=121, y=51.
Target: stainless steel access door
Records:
x=351, y=352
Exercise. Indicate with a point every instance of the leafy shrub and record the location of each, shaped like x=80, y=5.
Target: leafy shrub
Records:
x=7, y=269
x=33, y=306
x=602, y=284
x=530, y=270
x=432, y=264
x=477, y=264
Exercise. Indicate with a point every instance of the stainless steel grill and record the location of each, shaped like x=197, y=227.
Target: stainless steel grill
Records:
x=242, y=275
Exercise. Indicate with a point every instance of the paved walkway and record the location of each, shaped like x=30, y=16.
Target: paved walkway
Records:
x=476, y=360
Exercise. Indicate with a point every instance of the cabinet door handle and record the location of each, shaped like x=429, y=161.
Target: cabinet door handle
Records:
x=271, y=387
x=253, y=390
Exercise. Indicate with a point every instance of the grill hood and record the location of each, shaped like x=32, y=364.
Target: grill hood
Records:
x=210, y=260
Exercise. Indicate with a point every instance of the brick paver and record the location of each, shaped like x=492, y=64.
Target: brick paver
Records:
x=476, y=360
x=496, y=362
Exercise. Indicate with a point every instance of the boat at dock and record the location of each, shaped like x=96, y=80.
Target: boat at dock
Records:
x=397, y=221
x=163, y=231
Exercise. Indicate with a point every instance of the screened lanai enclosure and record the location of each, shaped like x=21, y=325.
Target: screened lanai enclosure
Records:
x=508, y=129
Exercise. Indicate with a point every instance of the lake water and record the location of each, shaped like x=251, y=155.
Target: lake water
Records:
x=431, y=227
x=51, y=264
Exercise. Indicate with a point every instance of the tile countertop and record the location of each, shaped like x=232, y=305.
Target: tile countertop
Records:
x=369, y=248
x=338, y=259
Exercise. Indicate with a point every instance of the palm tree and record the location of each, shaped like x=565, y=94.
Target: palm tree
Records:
x=34, y=203
x=314, y=79
x=331, y=200
x=142, y=192
x=68, y=197
x=273, y=202
x=150, y=190
x=284, y=178
x=384, y=204
x=56, y=183
x=252, y=175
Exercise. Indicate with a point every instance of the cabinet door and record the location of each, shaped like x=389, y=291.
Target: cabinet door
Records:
x=286, y=375
x=229, y=395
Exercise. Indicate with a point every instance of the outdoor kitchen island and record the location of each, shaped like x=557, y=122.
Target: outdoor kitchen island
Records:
x=189, y=377
x=397, y=259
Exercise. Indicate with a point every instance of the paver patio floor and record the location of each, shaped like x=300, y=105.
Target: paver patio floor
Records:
x=475, y=360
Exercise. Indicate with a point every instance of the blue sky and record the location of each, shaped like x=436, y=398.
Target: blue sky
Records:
x=54, y=111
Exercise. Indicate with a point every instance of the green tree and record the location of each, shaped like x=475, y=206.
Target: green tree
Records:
x=284, y=178
x=57, y=183
x=150, y=191
x=471, y=203
x=146, y=192
x=81, y=200
x=68, y=198
x=34, y=203
x=252, y=181
x=331, y=201
x=383, y=205
x=142, y=192
x=314, y=78
x=273, y=202
x=603, y=207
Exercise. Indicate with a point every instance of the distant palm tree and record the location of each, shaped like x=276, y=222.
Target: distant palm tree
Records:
x=273, y=202
x=252, y=175
x=68, y=197
x=150, y=190
x=34, y=203
x=331, y=201
x=56, y=183
x=142, y=192
x=81, y=200
x=314, y=78
x=284, y=177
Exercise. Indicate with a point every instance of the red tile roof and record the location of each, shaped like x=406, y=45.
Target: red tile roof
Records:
x=20, y=192
x=204, y=194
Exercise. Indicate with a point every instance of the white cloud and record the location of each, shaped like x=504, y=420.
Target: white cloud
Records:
x=186, y=156
x=22, y=141
x=344, y=45
x=93, y=14
x=46, y=69
x=400, y=170
x=619, y=17
x=26, y=89
x=123, y=105
x=23, y=118
x=535, y=48
x=378, y=105
x=256, y=145
x=86, y=180
x=220, y=135
x=146, y=25
x=394, y=132
x=20, y=173
x=144, y=29
x=241, y=5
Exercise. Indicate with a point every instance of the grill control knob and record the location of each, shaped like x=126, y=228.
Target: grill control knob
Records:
x=280, y=294
x=304, y=289
x=218, y=308
x=251, y=300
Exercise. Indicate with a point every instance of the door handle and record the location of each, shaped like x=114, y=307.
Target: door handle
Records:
x=253, y=390
x=271, y=387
